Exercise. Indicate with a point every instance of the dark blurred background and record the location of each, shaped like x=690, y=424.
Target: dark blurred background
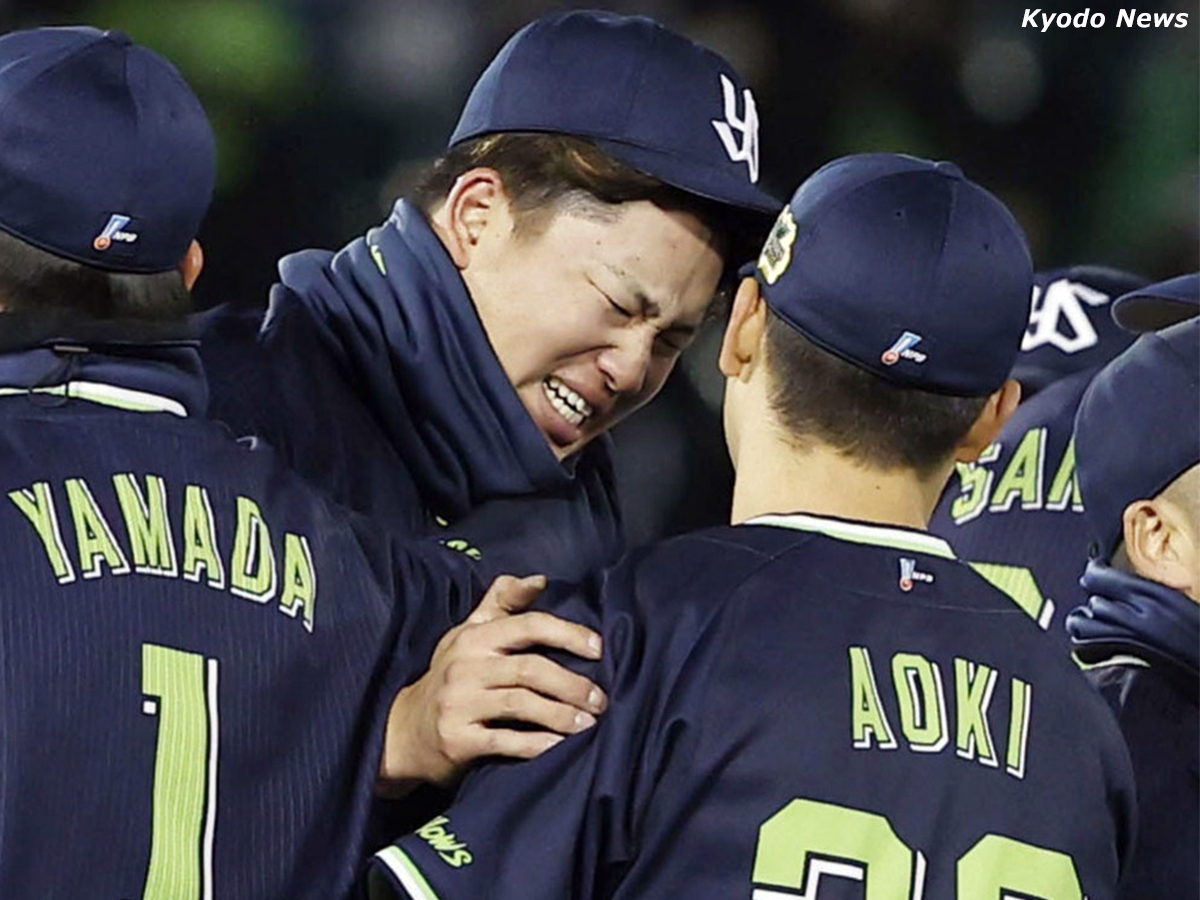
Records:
x=324, y=107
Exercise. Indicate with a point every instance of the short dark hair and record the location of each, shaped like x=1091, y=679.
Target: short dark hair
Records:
x=818, y=395
x=549, y=173
x=33, y=279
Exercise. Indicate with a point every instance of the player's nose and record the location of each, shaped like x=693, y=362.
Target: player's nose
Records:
x=626, y=363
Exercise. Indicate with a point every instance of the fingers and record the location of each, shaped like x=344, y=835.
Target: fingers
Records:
x=522, y=705
x=507, y=594
x=536, y=673
x=506, y=742
x=537, y=629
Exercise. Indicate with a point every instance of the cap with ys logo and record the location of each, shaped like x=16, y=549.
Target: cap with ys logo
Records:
x=645, y=95
x=905, y=268
x=106, y=155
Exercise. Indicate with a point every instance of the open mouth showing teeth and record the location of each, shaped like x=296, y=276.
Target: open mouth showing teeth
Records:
x=566, y=402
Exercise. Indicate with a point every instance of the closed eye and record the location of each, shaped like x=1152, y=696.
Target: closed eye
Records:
x=621, y=310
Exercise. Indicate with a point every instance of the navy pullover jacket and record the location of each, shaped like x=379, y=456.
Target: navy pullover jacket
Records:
x=372, y=375
x=1141, y=641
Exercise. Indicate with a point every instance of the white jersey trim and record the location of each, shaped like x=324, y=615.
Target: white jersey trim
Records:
x=406, y=872
x=106, y=394
x=860, y=533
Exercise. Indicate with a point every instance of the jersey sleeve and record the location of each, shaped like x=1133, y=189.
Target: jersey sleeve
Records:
x=566, y=823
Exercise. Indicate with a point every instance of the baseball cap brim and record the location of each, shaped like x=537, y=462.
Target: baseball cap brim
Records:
x=1158, y=306
x=690, y=176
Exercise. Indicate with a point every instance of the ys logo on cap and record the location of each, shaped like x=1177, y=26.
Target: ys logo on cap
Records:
x=1057, y=317
x=903, y=349
x=777, y=251
x=746, y=125
x=112, y=232
x=910, y=575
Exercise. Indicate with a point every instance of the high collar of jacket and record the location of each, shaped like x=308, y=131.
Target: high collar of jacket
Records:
x=1131, y=617
x=145, y=366
x=393, y=309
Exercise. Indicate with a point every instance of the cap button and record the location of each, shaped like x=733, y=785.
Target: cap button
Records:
x=948, y=168
x=120, y=38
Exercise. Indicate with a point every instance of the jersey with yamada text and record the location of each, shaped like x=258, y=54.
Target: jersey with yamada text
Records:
x=800, y=707
x=197, y=654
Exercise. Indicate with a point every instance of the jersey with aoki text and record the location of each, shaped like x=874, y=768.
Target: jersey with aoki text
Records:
x=197, y=653
x=801, y=707
x=1020, y=505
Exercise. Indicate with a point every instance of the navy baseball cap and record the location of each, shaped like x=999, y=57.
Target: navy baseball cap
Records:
x=905, y=268
x=1070, y=324
x=1158, y=305
x=106, y=156
x=645, y=95
x=1138, y=428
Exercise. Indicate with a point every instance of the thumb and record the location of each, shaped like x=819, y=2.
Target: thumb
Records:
x=507, y=595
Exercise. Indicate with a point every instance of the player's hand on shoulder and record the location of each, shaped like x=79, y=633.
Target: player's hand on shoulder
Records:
x=481, y=679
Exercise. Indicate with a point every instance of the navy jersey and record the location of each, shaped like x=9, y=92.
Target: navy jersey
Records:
x=197, y=652
x=374, y=378
x=800, y=707
x=1140, y=642
x=1019, y=505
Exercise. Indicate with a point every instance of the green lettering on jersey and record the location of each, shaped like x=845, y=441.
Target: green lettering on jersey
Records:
x=253, y=568
x=998, y=866
x=93, y=535
x=975, y=480
x=973, y=686
x=37, y=504
x=1064, y=488
x=1023, y=475
x=145, y=514
x=868, y=721
x=200, y=539
x=299, y=579
x=1021, y=707
x=806, y=832
x=918, y=684
x=1021, y=587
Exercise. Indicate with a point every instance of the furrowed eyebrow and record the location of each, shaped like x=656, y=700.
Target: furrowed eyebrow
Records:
x=647, y=308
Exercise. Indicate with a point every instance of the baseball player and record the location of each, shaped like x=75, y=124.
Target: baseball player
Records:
x=1016, y=512
x=537, y=287
x=198, y=653
x=1139, y=632
x=820, y=701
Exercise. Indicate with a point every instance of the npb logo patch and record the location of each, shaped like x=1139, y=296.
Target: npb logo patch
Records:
x=903, y=349
x=113, y=232
x=910, y=575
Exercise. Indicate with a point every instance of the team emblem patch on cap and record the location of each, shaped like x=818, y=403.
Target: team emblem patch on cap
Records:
x=113, y=232
x=910, y=575
x=776, y=253
x=903, y=349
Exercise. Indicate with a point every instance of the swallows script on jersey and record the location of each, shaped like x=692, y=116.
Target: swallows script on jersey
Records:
x=153, y=542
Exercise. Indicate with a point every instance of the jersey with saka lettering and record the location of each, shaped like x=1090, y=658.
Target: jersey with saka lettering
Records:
x=1019, y=505
x=801, y=707
x=197, y=653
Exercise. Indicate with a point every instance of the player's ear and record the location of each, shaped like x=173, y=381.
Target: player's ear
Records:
x=1160, y=541
x=192, y=264
x=743, y=334
x=476, y=202
x=996, y=411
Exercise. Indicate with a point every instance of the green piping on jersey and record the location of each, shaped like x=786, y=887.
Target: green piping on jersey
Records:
x=861, y=533
x=401, y=865
x=106, y=394
x=1019, y=583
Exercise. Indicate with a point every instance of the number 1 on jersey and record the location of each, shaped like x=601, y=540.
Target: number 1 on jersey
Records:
x=181, y=691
